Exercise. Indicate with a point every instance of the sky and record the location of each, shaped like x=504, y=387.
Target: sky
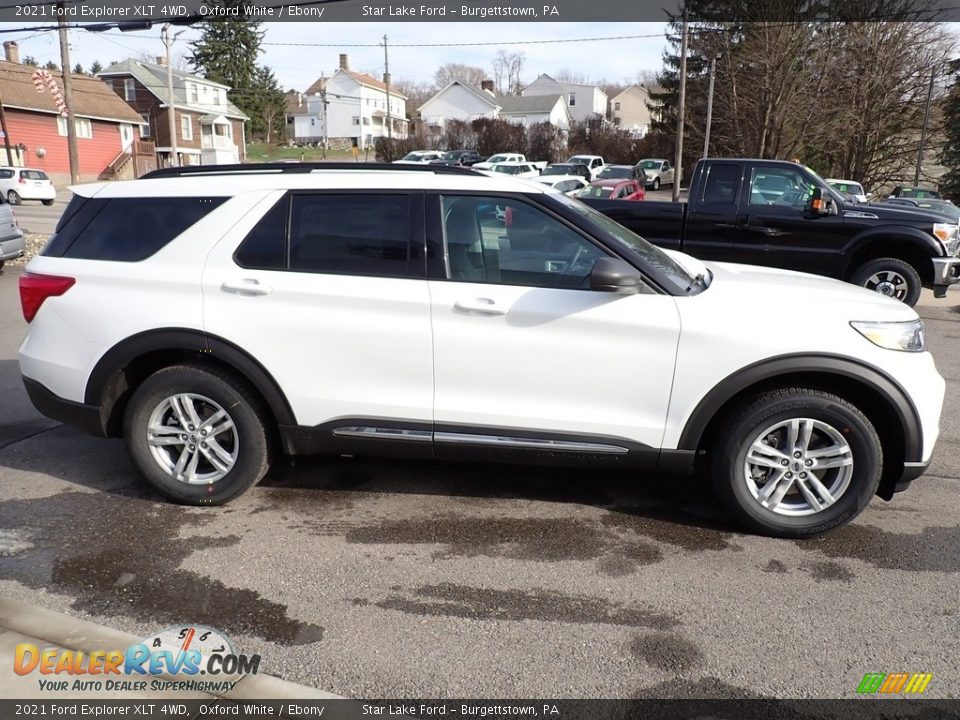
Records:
x=297, y=66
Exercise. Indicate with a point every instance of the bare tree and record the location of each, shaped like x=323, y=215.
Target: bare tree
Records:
x=467, y=74
x=507, y=71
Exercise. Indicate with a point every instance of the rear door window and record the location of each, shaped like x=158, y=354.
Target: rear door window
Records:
x=722, y=184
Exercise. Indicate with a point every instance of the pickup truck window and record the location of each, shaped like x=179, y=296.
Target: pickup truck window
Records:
x=782, y=187
x=489, y=240
x=722, y=186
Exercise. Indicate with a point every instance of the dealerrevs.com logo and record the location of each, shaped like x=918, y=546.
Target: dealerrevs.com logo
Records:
x=894, y=683
x=190, y=658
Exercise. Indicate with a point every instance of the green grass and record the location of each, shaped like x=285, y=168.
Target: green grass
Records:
x=262, y=152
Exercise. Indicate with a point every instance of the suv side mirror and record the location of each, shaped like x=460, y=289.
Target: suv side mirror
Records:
x=616, y=276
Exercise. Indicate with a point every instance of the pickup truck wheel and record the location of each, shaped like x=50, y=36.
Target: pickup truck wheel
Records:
x=892, y=277
x=797, y=462
x=197, y=435
x=656, y=183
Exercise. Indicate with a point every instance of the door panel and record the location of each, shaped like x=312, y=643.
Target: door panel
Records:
x=339, y=345
x=712, y=228
x=519, y=344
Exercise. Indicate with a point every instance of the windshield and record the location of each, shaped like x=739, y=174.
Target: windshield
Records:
x=595, y=192
x=452, y=155
x=851, y=188
x=579, y=160
x=497, y=158
x=509, y=169
x=616, y=171
x=672, y=274
x=919, y=193
x=556, y=170
x=651, y=164
x=413, y=156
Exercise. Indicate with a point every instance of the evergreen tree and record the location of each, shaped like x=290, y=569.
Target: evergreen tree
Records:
x=96, y=67
x=269, y=120
x=949, y=155
x=78, y=69
x=51, y=65
x=227, y=53
x=31, y=61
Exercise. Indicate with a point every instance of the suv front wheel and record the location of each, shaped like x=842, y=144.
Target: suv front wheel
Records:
x=797, y=462
x=197, y=435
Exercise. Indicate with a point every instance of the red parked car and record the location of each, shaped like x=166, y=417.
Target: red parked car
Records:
x=614, y=189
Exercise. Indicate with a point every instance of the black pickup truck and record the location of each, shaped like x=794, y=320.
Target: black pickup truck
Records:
x=782, y=214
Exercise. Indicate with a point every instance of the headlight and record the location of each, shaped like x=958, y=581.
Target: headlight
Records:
x=949, y=235
x=906, y=336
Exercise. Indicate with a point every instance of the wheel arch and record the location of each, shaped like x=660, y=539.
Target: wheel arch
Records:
x=127, y=364
x=904, y=243
x=877, y=395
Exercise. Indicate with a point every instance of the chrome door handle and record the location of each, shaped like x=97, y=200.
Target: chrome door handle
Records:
x=247, y=286
x=480, y=306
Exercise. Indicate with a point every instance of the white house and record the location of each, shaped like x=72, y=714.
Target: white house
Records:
x=350, y=107
x=535, y=109
x=458, y=101
x=629, y=110
x=583, y=101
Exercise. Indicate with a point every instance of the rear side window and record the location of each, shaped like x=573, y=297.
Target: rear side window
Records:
x=125, y=229
x=350, y=234
x=265, y=247
x=33, y=175
x=722, y=186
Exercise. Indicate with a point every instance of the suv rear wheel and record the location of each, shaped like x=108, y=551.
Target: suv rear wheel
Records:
x=197, y=435
x=797, y=462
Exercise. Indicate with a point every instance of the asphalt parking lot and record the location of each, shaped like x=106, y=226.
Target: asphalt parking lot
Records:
x=376, y=579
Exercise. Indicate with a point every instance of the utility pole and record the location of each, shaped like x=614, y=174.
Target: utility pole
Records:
x=6, y=134
x=325, y=114
x=678, y=158
x=386, y=81
x=706, y=135
x=923, y=134
x=68, y=93
x=171, y=105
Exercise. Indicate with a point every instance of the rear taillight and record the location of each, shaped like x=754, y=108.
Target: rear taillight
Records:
x=34, y=289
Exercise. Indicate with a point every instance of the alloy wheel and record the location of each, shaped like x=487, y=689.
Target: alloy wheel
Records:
x=193, y=439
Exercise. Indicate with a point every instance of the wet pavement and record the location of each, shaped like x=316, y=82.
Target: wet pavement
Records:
x=378, y=579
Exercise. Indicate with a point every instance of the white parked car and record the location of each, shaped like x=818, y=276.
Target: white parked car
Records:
x=657, y=171
x=11, y=236
x=851, y=188
x=499, y=158
x=419, y=157
x=594, y=163
x=523, y=170
x=284, y=311
x=19, y=184
x=567, y=184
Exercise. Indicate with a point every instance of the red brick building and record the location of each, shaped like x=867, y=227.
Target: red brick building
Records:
x=106, y=126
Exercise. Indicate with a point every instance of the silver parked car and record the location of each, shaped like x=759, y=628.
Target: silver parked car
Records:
x=11, y=237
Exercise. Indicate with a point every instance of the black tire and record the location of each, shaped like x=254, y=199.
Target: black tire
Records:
x=252, y=448
x=13, y=197
x=48, y=203
x=907, y=291
x=656, y=183
x=744, y=426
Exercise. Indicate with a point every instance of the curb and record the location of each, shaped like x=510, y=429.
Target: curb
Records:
x=76, y=634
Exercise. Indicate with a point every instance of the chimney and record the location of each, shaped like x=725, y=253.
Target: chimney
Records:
x=344, y=65
x=487, y=85
x=161, y=61
x=12, y=51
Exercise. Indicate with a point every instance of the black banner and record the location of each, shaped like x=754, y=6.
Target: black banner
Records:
x=753, y=709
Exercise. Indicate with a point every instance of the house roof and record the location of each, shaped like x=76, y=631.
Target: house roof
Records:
x=317, y=86
x=629, y=89
x=491, y=100
x=92, y=98
x=513, y=104
x=154, y=78
x=294, y=102
x=369, y=81
x=544, y=76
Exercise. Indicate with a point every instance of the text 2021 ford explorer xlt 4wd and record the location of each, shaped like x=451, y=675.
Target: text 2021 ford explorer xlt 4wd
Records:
x=214, y=316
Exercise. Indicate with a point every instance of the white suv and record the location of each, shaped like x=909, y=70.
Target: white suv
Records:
x=215, y=316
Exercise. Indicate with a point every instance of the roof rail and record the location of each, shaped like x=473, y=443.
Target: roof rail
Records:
x=303, y=167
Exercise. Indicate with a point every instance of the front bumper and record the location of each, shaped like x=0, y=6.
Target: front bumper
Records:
x=946, y=272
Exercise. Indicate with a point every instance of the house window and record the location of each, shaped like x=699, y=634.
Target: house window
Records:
x=616, y=106
x=192, y=87
x=83, y=127
x=145, y=125
x=186, y=127
x=129, y=89
x=356, y=120
x=573, y=99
